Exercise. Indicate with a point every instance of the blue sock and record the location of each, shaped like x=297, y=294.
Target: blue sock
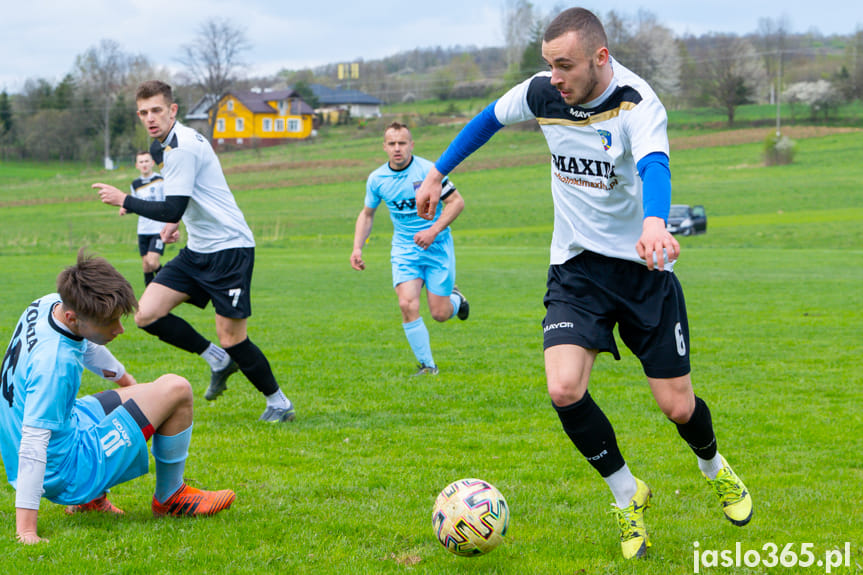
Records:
x=418, y=338
x=170, y=452
x=456, y=303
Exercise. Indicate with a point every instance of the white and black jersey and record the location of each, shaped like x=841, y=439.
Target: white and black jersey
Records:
x=191, y=168
x=150, y=189
x=594, y=151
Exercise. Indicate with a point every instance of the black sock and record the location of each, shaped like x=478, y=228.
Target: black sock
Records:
x=148, y=276
x=698, y=431
x=592, y=433
x=254, y=365
x=179, y=333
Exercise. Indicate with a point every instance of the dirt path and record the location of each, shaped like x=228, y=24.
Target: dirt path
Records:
x=751, y=135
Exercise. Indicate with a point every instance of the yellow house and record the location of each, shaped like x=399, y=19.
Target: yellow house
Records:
x=248, y=119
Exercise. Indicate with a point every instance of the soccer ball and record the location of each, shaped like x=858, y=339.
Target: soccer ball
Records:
x=470, y=517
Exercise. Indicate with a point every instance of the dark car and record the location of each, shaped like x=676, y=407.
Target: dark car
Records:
x=687, y=220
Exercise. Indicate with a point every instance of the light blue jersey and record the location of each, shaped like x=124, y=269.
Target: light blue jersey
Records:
x=39, y=382
x=435, y=265
x=397, y=189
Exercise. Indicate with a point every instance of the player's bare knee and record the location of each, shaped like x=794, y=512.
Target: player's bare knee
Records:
x=441, y=316
x=563, y=395
x=176, y=387
x=678, y=412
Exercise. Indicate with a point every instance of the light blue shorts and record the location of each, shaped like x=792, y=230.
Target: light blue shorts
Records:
x=110, y=449
x=435, y=265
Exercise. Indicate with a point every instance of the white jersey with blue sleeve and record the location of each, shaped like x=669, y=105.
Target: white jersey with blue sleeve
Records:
x=397, y=189
x=596, y=149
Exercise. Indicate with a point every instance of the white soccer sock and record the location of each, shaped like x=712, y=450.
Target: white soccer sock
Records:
x=278, y=400
x=710, y=467
x=217, y=357
x=622, y=485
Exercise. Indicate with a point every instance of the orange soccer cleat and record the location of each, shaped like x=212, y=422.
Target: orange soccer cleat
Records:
x=191, y=502
x=100, y=504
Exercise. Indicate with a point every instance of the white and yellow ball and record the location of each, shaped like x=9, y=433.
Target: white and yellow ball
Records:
x=470, y=517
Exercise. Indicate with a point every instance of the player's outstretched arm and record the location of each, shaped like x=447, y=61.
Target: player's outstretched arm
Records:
x=109, y=194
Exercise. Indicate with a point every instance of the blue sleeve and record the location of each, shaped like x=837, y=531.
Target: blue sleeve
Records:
x=656, y=190
x=476, y=133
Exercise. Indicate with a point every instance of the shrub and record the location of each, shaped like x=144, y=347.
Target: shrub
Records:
x=778, y=150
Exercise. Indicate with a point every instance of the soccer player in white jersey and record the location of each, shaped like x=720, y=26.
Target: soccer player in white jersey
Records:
x=215, y=265
x=71, y=450
x=422, y=251
x=148, y=186
x=611, y=256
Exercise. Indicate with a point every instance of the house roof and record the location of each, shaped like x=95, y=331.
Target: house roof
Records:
x=256, y=102
x=199, y=110
x=336, y=96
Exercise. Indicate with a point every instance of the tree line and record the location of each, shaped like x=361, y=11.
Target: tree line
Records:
x=89, y=114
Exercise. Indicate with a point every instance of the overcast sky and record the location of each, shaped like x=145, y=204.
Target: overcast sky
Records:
x=41, y=38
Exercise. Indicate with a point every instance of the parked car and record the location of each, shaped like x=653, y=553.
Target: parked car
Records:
x=687, y=220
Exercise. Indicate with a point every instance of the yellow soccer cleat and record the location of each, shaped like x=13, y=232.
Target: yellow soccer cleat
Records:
x=735, y=498
x=633, y=535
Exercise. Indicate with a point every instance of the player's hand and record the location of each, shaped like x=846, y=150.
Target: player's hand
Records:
x=170, y=234
x=656, y=245
x=357, y=260
x=425, y=238
x=128, y=380
x=123, y=211
x=428, y=194
x=109, y=194
x=30, y=538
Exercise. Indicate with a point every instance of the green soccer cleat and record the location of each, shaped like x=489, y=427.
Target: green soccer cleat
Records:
x=735, y=498
x=633, y=535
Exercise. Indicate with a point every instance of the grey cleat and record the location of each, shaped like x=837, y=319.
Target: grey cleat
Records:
x=279, y=414
x=219, y=381
x=426, y=370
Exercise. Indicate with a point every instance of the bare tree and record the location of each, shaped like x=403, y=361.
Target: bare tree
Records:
x=213, y=60
x=102, y=71
x=517, y=20
x=733, y=72
x=646, y=48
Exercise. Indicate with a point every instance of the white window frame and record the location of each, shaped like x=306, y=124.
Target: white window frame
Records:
x=230, y=105
x=295, y=125
x=280, y=125
x=239, y=125
x=267, y=124
x=220, y=125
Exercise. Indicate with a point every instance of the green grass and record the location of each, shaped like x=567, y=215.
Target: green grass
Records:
x=773, y=293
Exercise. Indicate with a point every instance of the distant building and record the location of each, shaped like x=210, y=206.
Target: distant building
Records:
x=254, y=118
x=353, y=102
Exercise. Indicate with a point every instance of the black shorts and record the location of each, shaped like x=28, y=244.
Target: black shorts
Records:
x=587, y=295
x=223, y=277
x=150, y=243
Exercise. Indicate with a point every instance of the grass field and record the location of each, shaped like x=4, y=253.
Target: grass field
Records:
x=774, y=297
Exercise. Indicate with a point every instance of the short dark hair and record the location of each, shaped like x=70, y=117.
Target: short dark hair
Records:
x=579, y=20
x=152, y=88
x=140, y=153
x=396, y=125
x=94, y=289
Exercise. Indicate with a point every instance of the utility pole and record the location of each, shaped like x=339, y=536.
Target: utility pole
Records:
x=778, y=91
